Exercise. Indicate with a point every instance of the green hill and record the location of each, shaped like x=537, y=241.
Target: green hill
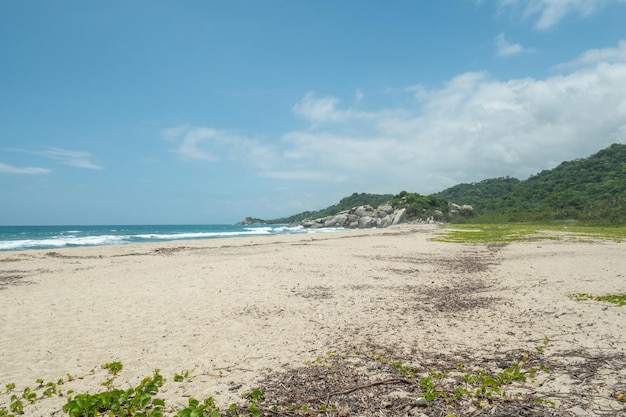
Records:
x=587, y=189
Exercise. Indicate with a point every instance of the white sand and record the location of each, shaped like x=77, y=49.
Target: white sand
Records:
x=231, y=310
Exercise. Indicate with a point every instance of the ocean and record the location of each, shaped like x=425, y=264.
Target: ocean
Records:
x=14, y=238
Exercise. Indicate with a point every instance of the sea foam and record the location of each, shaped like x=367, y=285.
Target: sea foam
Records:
x=48, y=237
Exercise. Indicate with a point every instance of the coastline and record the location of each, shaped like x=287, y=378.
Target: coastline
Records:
x=230, y=311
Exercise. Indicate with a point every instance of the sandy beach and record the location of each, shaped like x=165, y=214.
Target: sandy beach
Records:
x=230, y=312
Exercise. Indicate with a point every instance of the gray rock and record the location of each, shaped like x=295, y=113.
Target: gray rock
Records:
x=400, y=216
x=336, y=221
x=386, y=221
x=366, y=222
x=397, y=394
x=364, y=217
x=415, y=412
x=385, y=209
x=364, y=211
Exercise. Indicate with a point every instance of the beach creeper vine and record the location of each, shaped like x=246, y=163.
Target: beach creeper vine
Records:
x=139, y=401
x=142, y=400
x=460, y=386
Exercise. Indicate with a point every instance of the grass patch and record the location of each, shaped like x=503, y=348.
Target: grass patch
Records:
x=617, y=299
x=525, y=232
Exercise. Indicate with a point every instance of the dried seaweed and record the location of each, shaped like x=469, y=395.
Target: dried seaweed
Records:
x=368, y=386
x=12, y=277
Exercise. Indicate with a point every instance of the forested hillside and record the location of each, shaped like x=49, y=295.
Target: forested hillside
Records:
x=588, y=189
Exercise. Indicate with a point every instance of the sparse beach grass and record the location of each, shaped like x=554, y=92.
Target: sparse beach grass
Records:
x=617, y=299
x=525, y=232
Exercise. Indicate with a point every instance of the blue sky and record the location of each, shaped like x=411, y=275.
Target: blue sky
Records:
x=150, y=112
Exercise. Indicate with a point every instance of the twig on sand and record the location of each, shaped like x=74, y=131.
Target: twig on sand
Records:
x=371, y=384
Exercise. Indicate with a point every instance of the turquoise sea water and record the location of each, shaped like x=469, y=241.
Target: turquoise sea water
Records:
x=14, y=238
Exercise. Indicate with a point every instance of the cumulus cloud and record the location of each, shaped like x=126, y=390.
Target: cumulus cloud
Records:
x=506, y=48
x=475, y=127
x=549, y=13
x=9, y=169
x=471, y=128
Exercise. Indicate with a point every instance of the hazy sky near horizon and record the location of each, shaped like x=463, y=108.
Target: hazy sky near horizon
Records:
x=150, y=112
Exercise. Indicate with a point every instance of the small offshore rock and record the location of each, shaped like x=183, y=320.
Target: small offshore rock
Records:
x=421, y=401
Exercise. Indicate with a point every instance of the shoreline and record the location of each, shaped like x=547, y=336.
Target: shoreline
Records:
x=18, y=238
x=231, y=311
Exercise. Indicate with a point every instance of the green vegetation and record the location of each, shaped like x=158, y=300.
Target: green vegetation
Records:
x=588, y=191
x=139, y=401
x=136, y=401
x=617, y=299
x=479, y=386
x=514, y=232
x=345, y=203
x=591, y=189
x=419, y=206
x=448, y=384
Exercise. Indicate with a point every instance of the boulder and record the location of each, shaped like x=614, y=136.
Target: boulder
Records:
x=385, y=221
x=385, y=209
x=366, y=222
x=339, y=220
x=363, y=211
x=364, y=217
x=400, y=217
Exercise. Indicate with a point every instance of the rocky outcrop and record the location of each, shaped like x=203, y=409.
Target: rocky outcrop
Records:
x=365, y=217
x=362, y=217
x=464, y=209
x=249, y=221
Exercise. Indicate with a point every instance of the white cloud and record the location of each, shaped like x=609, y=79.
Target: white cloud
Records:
x=317, y=109
x=324, y=109
x=303, y=175
x=175, y=133
x=505, y=48
x=549, y=13
x=9, y=169
x=78, y=159
x=598, y=56
x=212, y=145
x=471, y=128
